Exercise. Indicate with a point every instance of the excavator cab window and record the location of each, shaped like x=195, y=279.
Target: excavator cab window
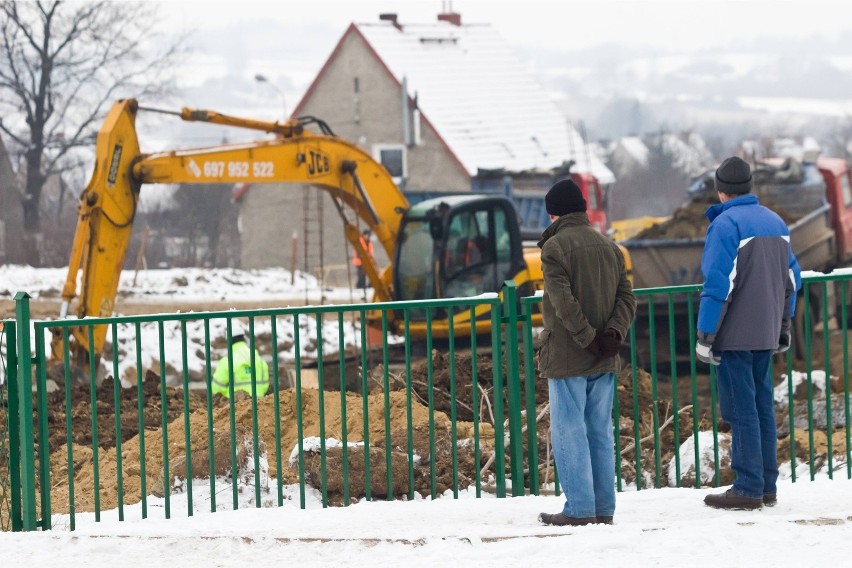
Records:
x=478, y=251
x=414, y=262
x=471, y=247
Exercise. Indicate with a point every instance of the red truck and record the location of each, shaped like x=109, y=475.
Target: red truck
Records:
x=815, y=198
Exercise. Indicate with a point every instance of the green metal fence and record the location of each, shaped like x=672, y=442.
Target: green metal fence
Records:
x=140, y=435
x=9, y=463
x=78, y=457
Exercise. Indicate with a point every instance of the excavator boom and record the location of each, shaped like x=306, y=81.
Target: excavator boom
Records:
x=107, y=206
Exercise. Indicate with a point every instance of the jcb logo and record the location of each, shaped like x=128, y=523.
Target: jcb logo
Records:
x=318, y=163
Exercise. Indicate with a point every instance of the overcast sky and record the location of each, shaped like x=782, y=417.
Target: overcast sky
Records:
x=562, y=24
x=571, y=43
x=289, y=41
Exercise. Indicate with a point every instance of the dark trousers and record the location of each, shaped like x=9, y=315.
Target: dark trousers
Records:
x=746, y=402
x=362, y=277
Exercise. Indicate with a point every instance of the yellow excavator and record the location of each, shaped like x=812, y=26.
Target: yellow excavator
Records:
x=441, y=248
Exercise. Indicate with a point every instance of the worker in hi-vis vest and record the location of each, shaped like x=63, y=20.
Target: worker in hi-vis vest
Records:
x=241, y=356
x=367, y=243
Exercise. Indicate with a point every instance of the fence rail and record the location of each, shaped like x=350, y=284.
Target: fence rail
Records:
x=140, y=434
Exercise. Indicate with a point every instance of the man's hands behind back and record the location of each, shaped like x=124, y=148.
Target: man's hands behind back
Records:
x=605, y=345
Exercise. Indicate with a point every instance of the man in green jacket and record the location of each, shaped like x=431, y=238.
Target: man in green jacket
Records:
x=588, y=306
x=241, y=356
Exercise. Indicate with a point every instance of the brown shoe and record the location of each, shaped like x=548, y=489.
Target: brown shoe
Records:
x=560, y=520
x=603, y=520
x=730, y=500
x=770, y=499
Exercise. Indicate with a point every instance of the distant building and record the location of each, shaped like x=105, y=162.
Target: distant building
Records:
x=436, y=104
x=628, y=155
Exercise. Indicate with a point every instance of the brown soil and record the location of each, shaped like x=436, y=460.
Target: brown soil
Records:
x=690, y=222
x=687, y=222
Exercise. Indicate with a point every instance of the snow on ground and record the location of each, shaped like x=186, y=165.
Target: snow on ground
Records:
x=205, y=285
x=191, y=284
x=781, y=393
x=810, y=526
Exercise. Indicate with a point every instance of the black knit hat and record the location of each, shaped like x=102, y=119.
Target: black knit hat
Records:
x=563, y=198
x=733, y=176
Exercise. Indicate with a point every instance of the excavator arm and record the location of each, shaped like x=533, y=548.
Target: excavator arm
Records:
x=107, y=206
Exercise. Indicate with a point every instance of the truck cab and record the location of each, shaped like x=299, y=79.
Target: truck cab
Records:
x=594, y=196
x=838, y=192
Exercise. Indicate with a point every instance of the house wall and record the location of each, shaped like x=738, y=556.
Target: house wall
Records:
x=269, y=216
x=373, y=115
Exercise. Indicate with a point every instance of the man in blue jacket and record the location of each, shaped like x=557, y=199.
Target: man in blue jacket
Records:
x=750, y=281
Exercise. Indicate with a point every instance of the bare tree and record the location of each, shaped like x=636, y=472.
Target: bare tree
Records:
x=61, y=64
x=208, y=220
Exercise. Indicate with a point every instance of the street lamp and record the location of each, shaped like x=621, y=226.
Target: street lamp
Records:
x=260, y=78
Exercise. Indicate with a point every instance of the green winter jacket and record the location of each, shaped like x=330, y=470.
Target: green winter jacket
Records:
x=585, y=289
x=241, y=356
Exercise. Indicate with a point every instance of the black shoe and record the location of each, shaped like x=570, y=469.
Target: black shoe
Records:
x=730, y=500
x=560, y=520
x=770, y=499
x=603, y=520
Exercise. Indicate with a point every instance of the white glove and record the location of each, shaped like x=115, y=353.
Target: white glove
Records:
x=784, y=342
x=705, y=353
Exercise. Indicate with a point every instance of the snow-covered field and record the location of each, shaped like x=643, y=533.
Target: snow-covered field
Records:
x=193, y=286
x=187, y=284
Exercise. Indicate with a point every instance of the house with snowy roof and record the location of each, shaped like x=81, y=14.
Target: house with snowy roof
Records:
x=438, y=104
x=628, y=155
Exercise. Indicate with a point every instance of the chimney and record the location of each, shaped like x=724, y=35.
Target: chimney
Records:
x=452, y=17
x=390, y=17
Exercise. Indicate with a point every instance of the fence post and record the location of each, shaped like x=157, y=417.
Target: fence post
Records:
x=25, y=416
x=497, y=371
x=529, y=392
x=14, y=413
x=510, y=311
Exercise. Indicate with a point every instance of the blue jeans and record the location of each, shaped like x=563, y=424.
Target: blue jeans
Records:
x=581, y=432
x=745, y=398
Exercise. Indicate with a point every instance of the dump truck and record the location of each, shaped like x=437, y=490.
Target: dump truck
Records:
x=814, y=197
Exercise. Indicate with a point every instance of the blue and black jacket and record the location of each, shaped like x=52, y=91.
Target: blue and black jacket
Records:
x=751, y=277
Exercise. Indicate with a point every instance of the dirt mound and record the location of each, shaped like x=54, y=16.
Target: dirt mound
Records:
x=442, y=381
x=687, y=222
x=279, y=428
x=80, y=410
x=690, y=222
x=195, y=444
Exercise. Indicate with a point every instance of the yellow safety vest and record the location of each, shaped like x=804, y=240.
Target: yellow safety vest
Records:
x=242, y=372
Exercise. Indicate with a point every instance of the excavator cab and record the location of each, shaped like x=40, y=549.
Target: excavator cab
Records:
x=456, y=246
